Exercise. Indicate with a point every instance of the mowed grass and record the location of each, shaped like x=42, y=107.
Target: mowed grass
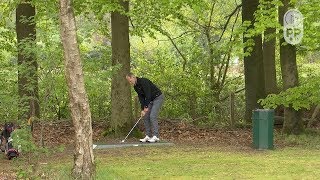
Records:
x=187, y=162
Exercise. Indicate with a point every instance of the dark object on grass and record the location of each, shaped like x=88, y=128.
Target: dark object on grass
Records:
x=6, y=141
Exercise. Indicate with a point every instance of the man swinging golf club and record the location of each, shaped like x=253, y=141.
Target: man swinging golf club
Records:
x=151, y=99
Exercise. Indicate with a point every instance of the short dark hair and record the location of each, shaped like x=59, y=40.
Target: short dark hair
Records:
x=130, y=74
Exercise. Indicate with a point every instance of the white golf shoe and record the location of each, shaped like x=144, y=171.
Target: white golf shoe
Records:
x=145, y=139
x=154, y=139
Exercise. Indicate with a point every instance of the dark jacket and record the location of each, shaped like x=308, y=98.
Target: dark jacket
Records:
x=146, y=91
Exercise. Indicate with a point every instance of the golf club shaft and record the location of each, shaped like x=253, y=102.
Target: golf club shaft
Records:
x=132, y=129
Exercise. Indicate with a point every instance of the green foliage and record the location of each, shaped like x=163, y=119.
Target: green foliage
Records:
x=266, y=16
x=23, y=138
x=147, y=16
x=297, y=97
x=8, y=90
x=6, y=40
x=28, y=164
x=304, y=96
x=185, y=78
x=311, y=35
x=189, y=78
x=7, y=29
x=186, y=91
x=53, y=95
x=96, y=58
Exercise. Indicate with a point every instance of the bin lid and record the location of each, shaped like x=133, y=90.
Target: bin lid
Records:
x=263, y=114
x=263, y=110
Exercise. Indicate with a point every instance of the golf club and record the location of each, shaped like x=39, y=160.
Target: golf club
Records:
x=131, y=129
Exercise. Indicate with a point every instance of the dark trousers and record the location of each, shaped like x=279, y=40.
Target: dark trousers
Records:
x=151, y=117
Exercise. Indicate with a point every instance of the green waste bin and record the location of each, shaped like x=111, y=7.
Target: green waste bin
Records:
x=263, y=128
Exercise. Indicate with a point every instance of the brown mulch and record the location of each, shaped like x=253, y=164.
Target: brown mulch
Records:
x=178, y=132
x=55, y=133
x=183, y=133
x=61, y=132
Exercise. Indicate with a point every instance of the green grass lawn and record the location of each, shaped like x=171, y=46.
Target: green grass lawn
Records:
x=294, y=157
x=208, y=163
x=187, y=162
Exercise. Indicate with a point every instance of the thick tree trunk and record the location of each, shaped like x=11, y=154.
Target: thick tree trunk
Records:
x=121, y=105
x=292, y=119
x=253, y=64
x=83, y=167
x=269, y=62
x=269, y=44
x=28, y=66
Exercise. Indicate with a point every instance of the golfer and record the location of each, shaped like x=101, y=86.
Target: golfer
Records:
x=151, y=99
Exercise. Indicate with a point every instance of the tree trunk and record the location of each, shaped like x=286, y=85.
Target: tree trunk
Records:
x=269, y=62
x=83, y=167
x=314, y=115
x=28, y=66
x=292, y=119
x=121, y=105
x=253, y=64
x=269, y=44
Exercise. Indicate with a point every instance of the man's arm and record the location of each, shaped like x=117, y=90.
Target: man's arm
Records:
x=146, y=86
x=141, y=99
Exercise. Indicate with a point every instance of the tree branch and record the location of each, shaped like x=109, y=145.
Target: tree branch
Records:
x=237, y=91
x=197, y=23
x=211, y=13
x=183, y=34
x=131, y=22
x=229, y=55
x=176, y=47
x=225, y=63
x=228, y=20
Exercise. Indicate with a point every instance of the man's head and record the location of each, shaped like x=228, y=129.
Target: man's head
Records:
x=131, y=78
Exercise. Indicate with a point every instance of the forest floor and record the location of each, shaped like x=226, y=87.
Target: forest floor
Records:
x=178, y=132
x=54, y=134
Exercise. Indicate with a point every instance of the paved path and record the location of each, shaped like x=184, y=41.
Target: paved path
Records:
x=106, y=146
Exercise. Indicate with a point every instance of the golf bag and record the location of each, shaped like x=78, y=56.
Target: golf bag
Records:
x=11, y=152
x=7, y=142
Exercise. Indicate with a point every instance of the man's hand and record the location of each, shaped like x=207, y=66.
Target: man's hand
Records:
x=145, y=110
x=142, y=113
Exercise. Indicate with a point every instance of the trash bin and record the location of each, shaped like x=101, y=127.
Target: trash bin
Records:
x=262, y=120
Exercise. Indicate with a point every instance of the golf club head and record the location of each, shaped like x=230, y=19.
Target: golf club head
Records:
x=122, y=141
x=94, y=146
